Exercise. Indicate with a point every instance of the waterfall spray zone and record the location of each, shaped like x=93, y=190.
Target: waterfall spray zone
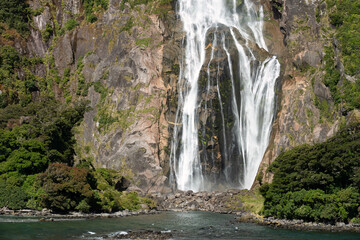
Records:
x=226, y=96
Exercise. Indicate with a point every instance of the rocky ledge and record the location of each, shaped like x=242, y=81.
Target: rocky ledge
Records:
x=297, y=224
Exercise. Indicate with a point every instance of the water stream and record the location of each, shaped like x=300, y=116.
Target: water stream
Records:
x=224, y=45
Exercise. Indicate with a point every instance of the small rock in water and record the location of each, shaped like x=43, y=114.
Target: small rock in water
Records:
x=147, y=234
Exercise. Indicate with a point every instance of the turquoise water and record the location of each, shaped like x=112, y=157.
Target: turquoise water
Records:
x=183, y=225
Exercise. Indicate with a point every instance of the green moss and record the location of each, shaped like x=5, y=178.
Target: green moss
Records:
x=143, y=42
x=251, y=201
x=99, y=88
x=128, y=25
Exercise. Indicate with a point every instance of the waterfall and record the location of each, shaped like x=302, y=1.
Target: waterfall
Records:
x=223, y=42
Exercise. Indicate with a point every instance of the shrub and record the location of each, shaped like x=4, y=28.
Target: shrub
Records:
x=47, y=33
x=65, y=188
x=319, y=182
x=71, y=24
x=12, y=196
x=344, y=15
x=15, y=13
x=90, y=6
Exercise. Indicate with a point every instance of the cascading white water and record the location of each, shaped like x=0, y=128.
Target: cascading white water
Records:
x=253, y=111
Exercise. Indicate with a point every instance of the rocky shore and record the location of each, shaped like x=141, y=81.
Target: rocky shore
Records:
x=47, y=215
x=297, y=224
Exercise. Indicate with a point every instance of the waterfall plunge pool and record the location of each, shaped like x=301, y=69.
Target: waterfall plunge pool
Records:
x=182, y=225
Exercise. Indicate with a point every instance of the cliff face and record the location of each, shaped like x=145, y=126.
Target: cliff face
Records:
x=116, y=63
x=306, y=111
x=126, y=63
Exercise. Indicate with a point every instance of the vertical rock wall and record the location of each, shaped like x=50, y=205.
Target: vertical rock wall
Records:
x=306, y=112
x=116, y=63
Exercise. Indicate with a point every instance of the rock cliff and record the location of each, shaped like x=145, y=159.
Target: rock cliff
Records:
x=124, y=58
x=116, y=62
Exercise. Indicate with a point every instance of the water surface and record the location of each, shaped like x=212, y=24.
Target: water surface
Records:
x=183, y=225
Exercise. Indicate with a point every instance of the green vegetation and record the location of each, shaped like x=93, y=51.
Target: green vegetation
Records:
x=251, y=201
x=319, y=182
x=143, y=42
x=36, y=163
x=71, y=24
x=31, y=138
x=344, y=15
x=47, y=33
x=92, y=6
x=128, y=25
x=159, y=7
x=15, y=14
x=16, y=90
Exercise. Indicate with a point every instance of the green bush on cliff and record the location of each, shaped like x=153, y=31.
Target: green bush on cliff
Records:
x=344, y=16
x=71, y=24
x=317, y=183
x=15, y=87
x=16, y=14
x=91, y=6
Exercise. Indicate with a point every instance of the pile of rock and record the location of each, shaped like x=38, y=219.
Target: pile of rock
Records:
x=202, y=201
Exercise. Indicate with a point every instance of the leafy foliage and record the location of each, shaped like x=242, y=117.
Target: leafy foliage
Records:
x=40, y=133
x=71, y=24
x=344, y=15
x=317, y=183
x=12, y=196
x=66, y=187
x=16, y=90
x=16, y=14
x=91, y=6
x=44, y=141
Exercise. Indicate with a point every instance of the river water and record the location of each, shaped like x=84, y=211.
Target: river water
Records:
x=183, y=225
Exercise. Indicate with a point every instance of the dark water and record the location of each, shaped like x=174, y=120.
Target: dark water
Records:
x=183, y=225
